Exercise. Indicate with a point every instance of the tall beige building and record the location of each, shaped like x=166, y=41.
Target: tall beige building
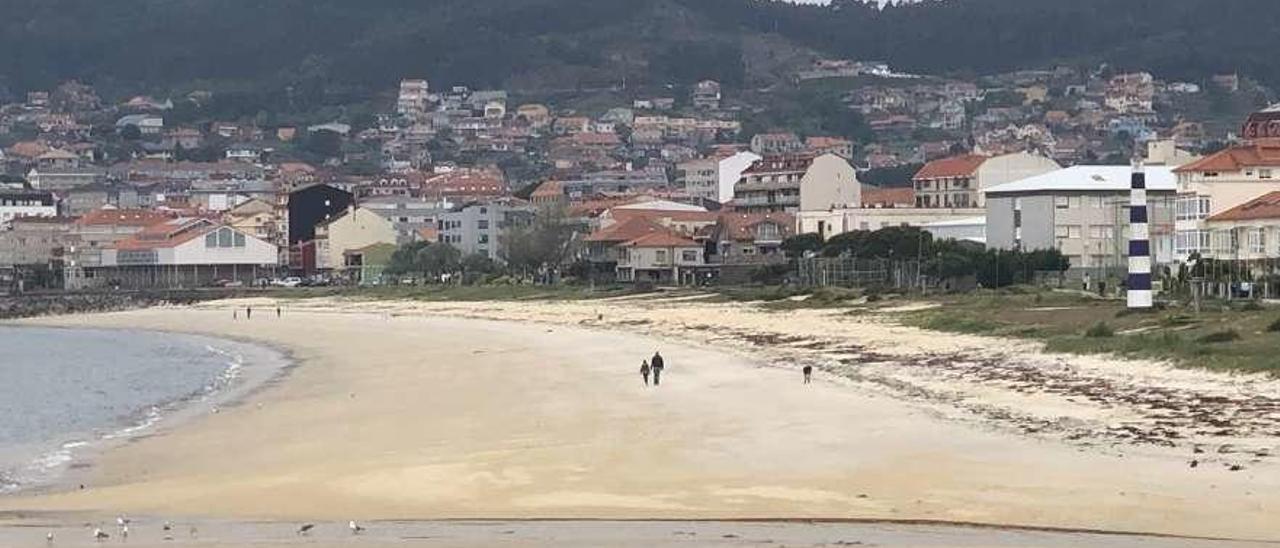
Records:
x=797, y=183
x=958, y=181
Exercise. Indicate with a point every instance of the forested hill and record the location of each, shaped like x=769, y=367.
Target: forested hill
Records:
x=132, y=45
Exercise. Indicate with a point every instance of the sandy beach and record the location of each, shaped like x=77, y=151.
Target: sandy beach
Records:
x=510, y=411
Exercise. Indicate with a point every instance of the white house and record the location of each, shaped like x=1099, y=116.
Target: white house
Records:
x=185, y=252
x=26, y=203
x=660, y=257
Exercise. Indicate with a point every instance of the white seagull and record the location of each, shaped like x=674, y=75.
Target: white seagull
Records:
x=355, y=527
x=100, y=535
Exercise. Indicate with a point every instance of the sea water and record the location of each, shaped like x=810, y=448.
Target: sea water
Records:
x=63, y=391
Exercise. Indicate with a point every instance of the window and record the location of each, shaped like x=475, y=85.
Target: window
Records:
x=1257, y=240
x=482, y=224
x=689, y=256
x=239, y=239
x=1191, y=207
x=484, y=239
x=224, y=238
x=1061, y=202
x=1226, y=241
x=1066, y=231
x=1191, y=241
x=211, y=239
x=1264, y=173
x=1101, y=232
x=660, y=256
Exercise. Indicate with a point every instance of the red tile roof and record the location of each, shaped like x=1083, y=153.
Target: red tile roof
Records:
x=740, y=226
x=1258, y=154
x=1266, y=206
x=122, y=217
x=872, y=196
x=627, y=230
x=955, y=166
x=548, y=189
x=780, y=164
x=168, y=234
x=677, y=216
x=661, y=239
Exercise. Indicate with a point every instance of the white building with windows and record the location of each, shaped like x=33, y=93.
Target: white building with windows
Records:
x=184, y=252
x=1218, y=183
x=1082, y=211
x=1247, y=232
x=26, y=203
x=713, y=178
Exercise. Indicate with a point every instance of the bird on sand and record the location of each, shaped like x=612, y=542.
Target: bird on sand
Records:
x=355, y=527
x=124, y=533
x=48, y=537
x=100, y=535
x=306, y=528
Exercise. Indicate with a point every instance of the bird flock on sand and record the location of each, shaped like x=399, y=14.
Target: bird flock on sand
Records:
x=122, y=530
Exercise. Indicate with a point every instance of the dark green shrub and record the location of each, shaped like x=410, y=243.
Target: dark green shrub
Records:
x=1099, y=330
x=1226, y=335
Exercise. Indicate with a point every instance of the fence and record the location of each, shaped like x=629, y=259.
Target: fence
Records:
x=855, y=272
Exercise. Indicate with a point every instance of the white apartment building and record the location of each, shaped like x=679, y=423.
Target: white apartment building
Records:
x=713, y=178
x=796, y=183
x=1218, y=183
x=958, y=181
x=1247, y=232
x=414, y=97
x=1082, y=211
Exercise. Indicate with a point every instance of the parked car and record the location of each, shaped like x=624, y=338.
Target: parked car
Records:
x=291, y=281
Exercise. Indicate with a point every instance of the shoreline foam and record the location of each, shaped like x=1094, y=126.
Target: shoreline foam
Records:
x=55, y=469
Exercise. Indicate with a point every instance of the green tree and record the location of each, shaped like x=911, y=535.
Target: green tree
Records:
x=438, y=260
x=323, y=143
x=131, y=133
x=801, y=244
x=540, y=245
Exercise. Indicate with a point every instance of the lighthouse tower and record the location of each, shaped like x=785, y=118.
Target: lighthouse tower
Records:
x=1139, y=242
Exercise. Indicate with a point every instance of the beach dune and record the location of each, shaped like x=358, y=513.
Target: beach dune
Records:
x=422, y=417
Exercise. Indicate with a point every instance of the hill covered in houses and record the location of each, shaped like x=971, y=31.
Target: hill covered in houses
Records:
x=343, y=48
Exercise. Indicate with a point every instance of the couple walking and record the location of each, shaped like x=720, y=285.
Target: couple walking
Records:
x=654, y=365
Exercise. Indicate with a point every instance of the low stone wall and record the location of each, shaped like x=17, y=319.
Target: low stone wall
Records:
x=44, y=304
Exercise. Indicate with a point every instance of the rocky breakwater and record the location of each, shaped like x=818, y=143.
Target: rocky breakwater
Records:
x=43, y=304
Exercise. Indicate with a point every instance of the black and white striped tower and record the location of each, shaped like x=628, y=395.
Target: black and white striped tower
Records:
x=1139, y=241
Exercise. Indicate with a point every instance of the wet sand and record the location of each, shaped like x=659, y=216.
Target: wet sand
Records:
x=592, y=534
x=397, y=412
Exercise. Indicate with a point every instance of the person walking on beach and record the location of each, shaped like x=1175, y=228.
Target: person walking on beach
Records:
x=248, y=312
x=644, y=371
x=808, y=373
x=657, y=365
x=277, y=311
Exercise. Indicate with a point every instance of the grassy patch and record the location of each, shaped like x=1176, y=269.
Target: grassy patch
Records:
x=1099, y=330
x=1222, y=337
